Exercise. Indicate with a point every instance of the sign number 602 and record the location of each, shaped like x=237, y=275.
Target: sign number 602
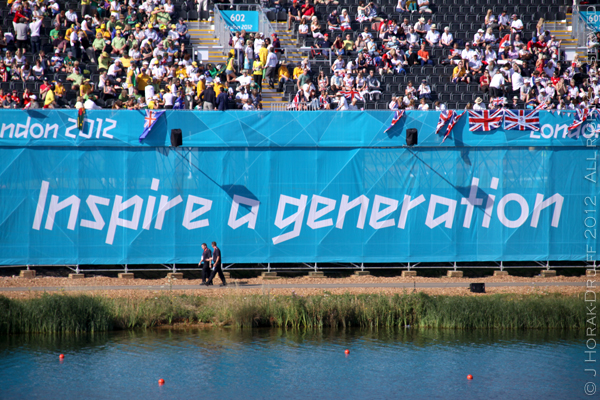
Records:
x=238, y=18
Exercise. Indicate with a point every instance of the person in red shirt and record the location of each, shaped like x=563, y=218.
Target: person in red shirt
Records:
x=3, y=72
x=535, y=43
x=308, y=10
x=424, y=55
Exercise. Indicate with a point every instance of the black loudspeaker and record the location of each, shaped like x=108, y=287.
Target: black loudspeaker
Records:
x=477, y=287
x=412, y=137
x=176, y=138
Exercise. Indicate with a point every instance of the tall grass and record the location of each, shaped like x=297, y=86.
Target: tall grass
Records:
x=62, y=313
x=54, y=314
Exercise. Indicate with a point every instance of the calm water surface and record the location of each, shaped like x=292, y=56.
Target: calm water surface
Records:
x=278, y=364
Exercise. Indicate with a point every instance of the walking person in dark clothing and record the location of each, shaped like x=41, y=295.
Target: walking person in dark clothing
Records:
x=222, y=100
x=216, y=269
x=205, y=262
x=209, y=98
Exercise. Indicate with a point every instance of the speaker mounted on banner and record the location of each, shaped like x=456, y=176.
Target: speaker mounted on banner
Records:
x=176, y=137
x=412, y=137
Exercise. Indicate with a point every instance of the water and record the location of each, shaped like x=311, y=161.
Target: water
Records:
x=278, y=364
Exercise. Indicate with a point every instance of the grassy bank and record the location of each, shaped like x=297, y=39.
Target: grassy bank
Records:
x=64, y=313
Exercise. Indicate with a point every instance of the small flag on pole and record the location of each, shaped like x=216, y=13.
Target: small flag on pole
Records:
x=80, y=118
x=444, y=117
x=397, y=116
x=149, y=121
x=580, y=118
x=455, y=117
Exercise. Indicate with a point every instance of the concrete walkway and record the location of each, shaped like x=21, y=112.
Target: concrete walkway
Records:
x=280, y=286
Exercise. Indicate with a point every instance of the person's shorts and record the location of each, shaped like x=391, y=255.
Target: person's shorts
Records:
x=228, y=72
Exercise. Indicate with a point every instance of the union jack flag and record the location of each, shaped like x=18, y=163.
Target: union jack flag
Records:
x=398, y=114
x=484, y=120
x=149, y=121
x=295, y=104
x=499, y=101
x=444, y=117
x=521, y=120
x=542, y=106
x=580, y=118
x=352, y=94
x=453, y=120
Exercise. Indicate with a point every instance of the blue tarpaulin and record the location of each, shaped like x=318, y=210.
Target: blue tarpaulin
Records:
x=290, y=187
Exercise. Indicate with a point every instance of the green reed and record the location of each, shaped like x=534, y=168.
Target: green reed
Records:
x=64, y=313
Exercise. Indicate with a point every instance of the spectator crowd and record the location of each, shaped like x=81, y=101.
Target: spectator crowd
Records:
x=134, y=54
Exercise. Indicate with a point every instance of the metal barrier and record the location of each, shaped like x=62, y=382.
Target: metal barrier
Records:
x=580, y=29
x=301, y=266
x=223, y=34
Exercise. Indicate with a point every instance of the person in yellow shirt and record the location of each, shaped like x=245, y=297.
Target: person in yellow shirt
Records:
x=230, y=68
x=297, y=72
x=218, y=85
x=143, y=80
x=85, y=88
x=49, y=99
x=181, y=71
x=59, y=89
x=125, y=60
x=283, y=75
x=69, y=31
x=257, y=68
x=201, y=85
x=263, y=53
x=105, y=33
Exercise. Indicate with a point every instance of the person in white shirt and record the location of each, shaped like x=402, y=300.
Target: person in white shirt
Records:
x=258, y=42
x=516, y=26
x=433, y=37
x=342, y=102
x=503, y=20
x=34, y=30
x=517, y=81
x=238, y=45
x=245, y=80
x=497, y=85
x=490, y=54
x=412, y=37
x=89, y=104
x=478, y=106
x=440, y=106
x=71, y=15
x=489, y=37
x=248, y=106
x=74, y=36
x=468, y=54
x=423, y=106
x=447, y=38
x=271, y=67
x=168, y=99
x=424, y=90
x=478, y=39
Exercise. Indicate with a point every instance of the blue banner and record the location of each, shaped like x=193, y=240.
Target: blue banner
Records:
x=241, y=20
x=218, y=129
x=591, y=18
x=308, y=193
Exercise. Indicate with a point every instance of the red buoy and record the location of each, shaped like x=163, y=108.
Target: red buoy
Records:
x=161, y=381
x=469, y=377
x=61, y=356
x=347, y=351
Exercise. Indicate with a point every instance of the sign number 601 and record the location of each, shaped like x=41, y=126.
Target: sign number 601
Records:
x=238, y=18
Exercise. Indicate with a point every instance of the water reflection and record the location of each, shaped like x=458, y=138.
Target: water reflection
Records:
x=271, y=363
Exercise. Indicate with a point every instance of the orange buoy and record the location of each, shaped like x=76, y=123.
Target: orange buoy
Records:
x=61, y=356
x=469, y=377
x=347, y=351
x=161, y=381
